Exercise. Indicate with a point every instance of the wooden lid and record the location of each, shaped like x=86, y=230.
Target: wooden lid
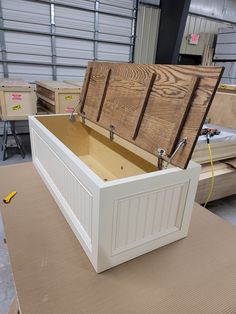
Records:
x=152, y=106
x=13, y=82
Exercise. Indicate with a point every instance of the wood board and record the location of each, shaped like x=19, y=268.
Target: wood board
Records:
x=231, y=162
x=171, y=106
x=224, y=182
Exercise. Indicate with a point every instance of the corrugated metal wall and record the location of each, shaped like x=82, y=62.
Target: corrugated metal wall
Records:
x=55, y=39
x=203, y=21
x=224, y=10
x=205, y=27
x=147, y=34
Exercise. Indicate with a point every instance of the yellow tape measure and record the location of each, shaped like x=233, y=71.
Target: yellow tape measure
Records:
x=8, y=198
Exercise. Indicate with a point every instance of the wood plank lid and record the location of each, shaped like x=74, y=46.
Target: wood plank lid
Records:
x=152, y=106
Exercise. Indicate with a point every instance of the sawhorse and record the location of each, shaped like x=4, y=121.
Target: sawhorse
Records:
x=6, y=126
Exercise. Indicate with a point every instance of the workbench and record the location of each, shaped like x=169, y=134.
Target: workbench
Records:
x=53, y=274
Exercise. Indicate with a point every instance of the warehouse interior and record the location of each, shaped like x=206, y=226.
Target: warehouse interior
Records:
x=118, y=156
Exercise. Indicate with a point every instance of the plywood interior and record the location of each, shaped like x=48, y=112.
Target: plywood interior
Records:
x=107, y=159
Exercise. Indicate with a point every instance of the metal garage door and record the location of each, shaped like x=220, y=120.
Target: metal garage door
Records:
x=55, y=39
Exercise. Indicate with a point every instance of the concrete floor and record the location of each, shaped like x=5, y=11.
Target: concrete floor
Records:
x=225, y=208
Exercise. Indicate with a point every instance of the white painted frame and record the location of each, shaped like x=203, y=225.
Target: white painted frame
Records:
x=117, y=220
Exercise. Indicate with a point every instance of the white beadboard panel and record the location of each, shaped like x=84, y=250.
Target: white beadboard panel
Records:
x=113, y=52
x=143, y=217
x=74, y=193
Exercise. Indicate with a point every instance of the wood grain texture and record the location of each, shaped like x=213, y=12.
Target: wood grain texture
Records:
x=45, y=92
x=169, y=114
x=143, y=104
x=104, y=94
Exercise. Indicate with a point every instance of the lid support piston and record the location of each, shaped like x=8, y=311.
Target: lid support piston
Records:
x=162, y=153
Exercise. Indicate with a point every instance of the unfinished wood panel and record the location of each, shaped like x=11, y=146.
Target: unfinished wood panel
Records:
x=220, y=151
x=172, y=111
x=77, y=83
x=17, y=99
x=12, y=82
x=58, y=97
x=46, y=92
x=223, y=110
x=225, y=178
x=231, y=162
x=45, y=106
x=107, y=159
x=73, y=135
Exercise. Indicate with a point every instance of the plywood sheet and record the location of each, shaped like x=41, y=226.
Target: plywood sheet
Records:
x=175, y=105
x=224, y=183
x=223, y=110
x=231, y=162
x=53, y=275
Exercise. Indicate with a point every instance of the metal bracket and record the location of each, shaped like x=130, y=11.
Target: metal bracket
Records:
x=83, y=116
x=162, y=153
x=112, y=132
x=72, y=115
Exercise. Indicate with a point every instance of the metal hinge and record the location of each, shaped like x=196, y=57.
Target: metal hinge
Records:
x=112, y=132
x=83, y=116
x=162, y=153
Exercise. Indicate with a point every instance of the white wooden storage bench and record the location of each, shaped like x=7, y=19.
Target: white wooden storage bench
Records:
x=101, y=165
